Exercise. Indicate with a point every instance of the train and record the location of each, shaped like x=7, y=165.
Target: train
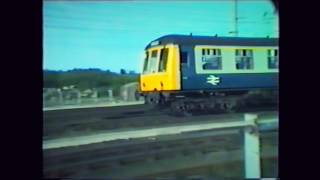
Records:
x=188, y=73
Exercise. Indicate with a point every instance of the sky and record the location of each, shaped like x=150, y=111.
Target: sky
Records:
x=113, y=34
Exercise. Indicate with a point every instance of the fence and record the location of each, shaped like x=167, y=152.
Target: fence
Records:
x=252, y=125
x=60, y=97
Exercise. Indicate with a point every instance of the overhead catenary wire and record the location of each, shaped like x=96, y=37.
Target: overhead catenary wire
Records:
x=88, y=20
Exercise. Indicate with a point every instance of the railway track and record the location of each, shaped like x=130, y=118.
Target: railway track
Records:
x=163, y=156
x=75, y=122
x=109, y=159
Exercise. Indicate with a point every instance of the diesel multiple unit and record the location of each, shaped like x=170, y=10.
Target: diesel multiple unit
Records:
x=192, y=72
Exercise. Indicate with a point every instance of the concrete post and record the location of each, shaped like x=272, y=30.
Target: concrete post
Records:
x=60, y=96
x=125, y=95
x=110, y=94
x=95, y=95
x=252, y=148
x=78, y=97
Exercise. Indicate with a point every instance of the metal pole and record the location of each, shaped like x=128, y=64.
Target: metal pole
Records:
x=60, y=96
x=276, y=22
x=110, y=94
x=235, y=17
x=252, y=148
x=95, y=95
x=78, y=96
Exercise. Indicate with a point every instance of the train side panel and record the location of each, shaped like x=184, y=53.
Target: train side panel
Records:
x=194, y=77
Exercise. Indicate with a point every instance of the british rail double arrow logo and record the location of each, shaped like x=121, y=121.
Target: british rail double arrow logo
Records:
x=213, y=80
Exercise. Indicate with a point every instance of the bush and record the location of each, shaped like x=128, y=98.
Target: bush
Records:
x=87, y=79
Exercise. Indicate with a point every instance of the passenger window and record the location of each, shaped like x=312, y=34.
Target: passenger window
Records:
x=163, y=59
x=273, y=60
x=212, y=60
x=153, y=61
x=244, y=59
x=146, y=62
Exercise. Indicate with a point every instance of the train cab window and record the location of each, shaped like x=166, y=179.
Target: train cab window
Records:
x=273, y=60
x=163, y=59
x=146, y=62
x=153, y=61
x=212, y=59
x=244, y=59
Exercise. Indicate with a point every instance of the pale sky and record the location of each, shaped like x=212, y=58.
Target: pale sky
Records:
x=112, y=34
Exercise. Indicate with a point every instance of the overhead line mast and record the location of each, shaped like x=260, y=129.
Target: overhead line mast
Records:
x=235, y=18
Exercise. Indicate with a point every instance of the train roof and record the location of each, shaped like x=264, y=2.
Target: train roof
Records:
x=213, y=40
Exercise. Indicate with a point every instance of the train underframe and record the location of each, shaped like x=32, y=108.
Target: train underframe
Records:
x=187, y=103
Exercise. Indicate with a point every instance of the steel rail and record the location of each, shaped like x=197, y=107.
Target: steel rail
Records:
x=150, y=132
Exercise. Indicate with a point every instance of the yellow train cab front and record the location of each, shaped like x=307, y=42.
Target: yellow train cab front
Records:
x=161, y=70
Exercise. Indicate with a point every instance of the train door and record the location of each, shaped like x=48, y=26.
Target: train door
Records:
x=186, y=64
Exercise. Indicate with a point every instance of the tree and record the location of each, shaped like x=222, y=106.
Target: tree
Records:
x=132, y=72
x=122, y=71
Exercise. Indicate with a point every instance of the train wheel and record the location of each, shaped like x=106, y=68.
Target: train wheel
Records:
x=156, y=100
x=162, y=103
x=150, y=99
x=230, y=106
x=179, y=109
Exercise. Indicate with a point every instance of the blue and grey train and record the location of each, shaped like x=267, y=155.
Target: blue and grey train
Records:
x=190, y=72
